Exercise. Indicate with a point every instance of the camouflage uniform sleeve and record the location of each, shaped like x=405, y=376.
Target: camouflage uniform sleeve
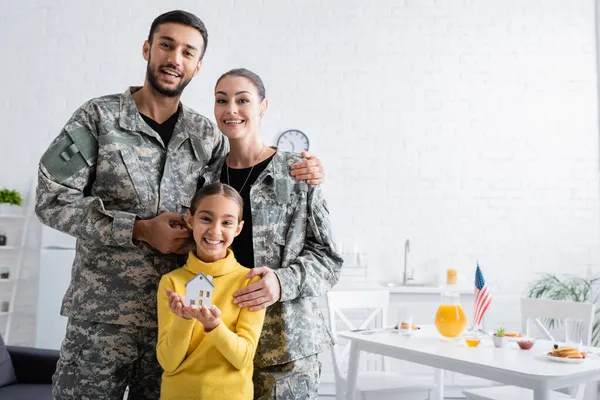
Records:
x=66, y=171
x=318, y=266
x=221, y=147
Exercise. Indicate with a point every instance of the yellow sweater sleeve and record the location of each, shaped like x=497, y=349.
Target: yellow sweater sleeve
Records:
x=174, y=333
x=239, y=347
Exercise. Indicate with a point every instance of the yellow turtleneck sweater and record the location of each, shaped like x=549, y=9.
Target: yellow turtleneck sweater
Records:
x=215, y=364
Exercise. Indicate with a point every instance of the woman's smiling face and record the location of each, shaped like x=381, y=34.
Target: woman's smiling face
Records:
x=238, y=107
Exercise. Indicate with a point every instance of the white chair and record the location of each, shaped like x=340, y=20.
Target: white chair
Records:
x=531, y=311
x=379, y=384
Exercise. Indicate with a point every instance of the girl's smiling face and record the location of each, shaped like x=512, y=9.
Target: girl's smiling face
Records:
x=215, y=223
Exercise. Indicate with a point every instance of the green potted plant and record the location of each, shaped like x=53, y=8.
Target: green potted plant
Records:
x=9, y=200
x=499, y=337
x=572, y=288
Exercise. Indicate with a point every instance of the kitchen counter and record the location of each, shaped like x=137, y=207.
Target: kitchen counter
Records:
x=347, y=284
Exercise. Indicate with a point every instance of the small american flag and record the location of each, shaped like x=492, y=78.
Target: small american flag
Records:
x=483, y=298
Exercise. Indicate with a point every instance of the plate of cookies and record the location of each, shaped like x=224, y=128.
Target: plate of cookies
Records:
x=406, y=328
x=570, y=355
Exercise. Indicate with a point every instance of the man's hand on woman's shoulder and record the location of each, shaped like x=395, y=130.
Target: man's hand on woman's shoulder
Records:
x=310, y=170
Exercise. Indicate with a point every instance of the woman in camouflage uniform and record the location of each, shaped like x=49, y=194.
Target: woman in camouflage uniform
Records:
x=286, y=239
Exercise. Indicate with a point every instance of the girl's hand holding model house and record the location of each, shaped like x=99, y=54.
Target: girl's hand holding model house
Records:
x=176, y=305
x=208, y=316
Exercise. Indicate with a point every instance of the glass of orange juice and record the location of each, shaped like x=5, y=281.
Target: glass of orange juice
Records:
x=450, y=319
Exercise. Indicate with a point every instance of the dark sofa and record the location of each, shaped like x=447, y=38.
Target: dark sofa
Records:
x=26, y=372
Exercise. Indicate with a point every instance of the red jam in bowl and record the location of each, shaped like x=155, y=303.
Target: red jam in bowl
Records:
x=525, y=344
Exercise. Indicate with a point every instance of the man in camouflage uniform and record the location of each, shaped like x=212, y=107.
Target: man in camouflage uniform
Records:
x=294, y=247
x=117, y=184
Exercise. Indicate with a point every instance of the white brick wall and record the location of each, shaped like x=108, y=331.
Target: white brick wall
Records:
x=468, y=126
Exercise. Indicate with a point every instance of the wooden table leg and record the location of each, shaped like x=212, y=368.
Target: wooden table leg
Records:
x=352, y=370
x=439, y=382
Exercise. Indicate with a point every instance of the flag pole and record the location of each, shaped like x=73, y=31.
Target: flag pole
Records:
x=474, y=302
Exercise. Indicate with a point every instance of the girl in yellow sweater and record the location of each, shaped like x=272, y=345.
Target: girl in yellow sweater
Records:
x=207, y=352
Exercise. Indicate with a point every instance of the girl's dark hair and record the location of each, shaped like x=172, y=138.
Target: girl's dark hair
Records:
x=251, y=76
x=183, y=18
x=217, y=188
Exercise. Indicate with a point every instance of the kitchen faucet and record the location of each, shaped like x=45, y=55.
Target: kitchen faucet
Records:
x=406, y=250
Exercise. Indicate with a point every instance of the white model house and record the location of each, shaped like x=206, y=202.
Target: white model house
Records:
x=199, y=290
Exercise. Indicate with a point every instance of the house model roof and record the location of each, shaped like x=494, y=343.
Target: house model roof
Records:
x=202, y=276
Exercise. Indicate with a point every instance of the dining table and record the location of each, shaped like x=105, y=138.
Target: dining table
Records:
x=533, y=369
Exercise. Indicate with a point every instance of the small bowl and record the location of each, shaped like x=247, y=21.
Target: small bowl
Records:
x=525, y=344
x=472, y=341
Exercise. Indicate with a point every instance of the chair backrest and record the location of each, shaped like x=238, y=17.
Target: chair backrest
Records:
x=339, y=302
x=568, y=313
x=375, y=300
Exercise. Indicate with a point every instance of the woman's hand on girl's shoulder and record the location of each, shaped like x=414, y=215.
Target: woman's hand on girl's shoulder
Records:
x=261, y=294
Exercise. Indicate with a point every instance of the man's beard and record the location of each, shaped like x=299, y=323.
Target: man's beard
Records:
x=153, y=79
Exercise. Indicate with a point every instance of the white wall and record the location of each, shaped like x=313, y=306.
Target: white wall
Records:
x=468, y=126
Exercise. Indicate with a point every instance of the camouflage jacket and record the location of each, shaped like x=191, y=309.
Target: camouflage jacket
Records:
x=292, y=235
x=105, y=169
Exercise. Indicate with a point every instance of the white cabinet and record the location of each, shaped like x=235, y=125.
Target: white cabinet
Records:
x=55, y=274
x=56, y=261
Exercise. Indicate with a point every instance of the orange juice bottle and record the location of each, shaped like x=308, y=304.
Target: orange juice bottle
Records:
x=450, y=319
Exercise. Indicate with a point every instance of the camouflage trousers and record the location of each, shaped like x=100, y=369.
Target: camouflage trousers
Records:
x=296, y=380
x=98, y=361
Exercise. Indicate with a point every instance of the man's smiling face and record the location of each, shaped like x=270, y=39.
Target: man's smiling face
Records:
x=173, y=58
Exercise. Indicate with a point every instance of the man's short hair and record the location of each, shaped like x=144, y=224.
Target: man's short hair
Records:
x=183, y=18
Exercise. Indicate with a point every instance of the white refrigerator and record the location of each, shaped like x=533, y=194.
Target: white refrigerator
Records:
x=56, y=259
